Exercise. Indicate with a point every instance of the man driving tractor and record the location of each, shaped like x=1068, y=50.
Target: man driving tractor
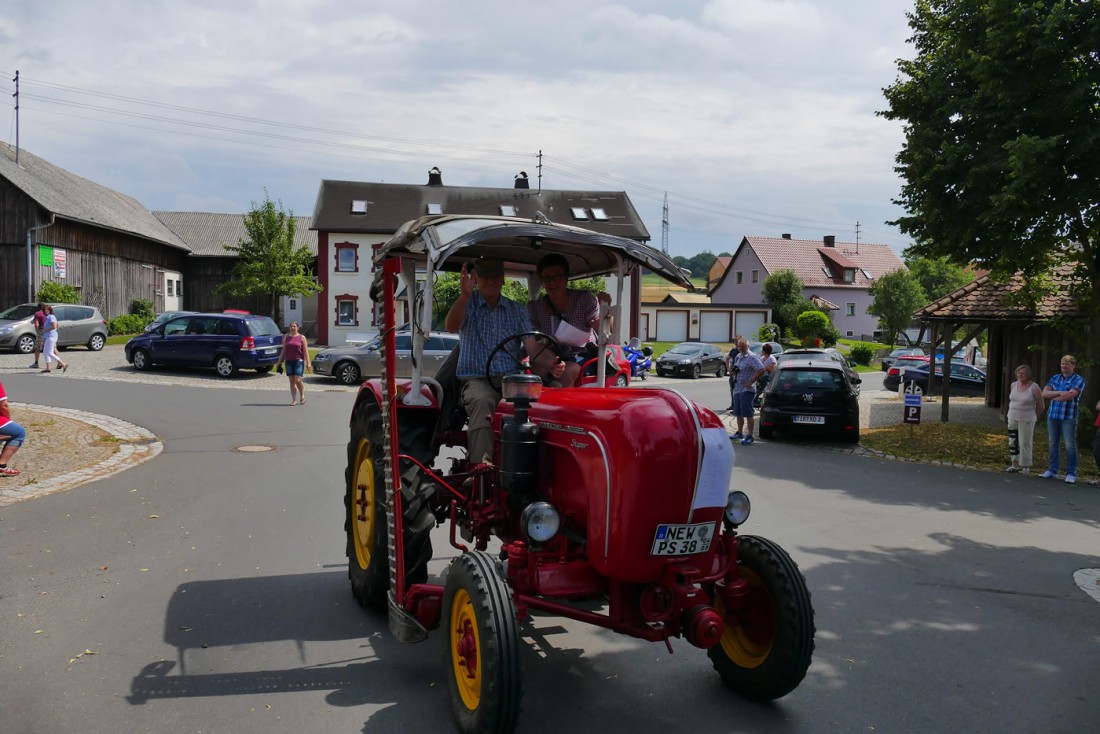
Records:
x=483, y=317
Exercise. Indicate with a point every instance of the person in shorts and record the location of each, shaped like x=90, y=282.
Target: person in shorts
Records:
x=12, y=436
x=296, y=357
x=745, y=369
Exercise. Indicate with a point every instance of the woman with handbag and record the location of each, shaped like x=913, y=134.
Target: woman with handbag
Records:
x=1025, y=406
x=296, y=356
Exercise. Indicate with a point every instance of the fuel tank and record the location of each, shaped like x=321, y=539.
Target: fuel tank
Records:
x=619, y=464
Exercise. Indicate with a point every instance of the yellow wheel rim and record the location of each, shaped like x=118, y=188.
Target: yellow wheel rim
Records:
x=362, y=504
x=749, y=643
x=465, y=650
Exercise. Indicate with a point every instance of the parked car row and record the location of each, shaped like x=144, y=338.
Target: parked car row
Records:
x=226, y=342
x=966, y=380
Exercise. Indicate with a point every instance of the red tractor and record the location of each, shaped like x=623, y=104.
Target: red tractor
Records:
x=594, y=494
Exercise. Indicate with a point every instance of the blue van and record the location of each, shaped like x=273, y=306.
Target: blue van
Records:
x=227, y=342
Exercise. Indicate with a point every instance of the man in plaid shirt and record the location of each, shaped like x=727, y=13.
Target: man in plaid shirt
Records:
x=1064, y=393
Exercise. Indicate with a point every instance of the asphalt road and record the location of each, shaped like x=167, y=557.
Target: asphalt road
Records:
x=205, y=591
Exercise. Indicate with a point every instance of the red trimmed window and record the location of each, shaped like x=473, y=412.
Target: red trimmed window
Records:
x=347, y=257
x=347, y=310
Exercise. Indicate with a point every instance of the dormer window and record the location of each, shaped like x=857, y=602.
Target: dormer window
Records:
x=849, y=275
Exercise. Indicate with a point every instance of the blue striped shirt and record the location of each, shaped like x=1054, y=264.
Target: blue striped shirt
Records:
x=483, y=328
x=1058, y=410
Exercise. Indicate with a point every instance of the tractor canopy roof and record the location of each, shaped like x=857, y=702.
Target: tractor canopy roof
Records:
x=448, y=241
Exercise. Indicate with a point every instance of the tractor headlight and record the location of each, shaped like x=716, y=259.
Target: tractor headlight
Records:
x=737, y=507
x=521, y=388
x=540, y=521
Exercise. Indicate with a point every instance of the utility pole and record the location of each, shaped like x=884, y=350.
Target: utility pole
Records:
x=664, y=226
x=540, y=171
x=16, y=95
x=857, y=241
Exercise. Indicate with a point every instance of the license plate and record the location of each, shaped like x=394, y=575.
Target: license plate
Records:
x=271, y=351
x=683, y=540
x=817, y=420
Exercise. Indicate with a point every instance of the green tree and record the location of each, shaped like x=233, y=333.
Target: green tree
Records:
x=269, y=264
x=783, y=293
x=937, y=276
x=896, y=296
x=812, y=324
x=1001, y=160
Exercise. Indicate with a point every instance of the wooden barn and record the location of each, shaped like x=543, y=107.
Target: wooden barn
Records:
x=56, y=226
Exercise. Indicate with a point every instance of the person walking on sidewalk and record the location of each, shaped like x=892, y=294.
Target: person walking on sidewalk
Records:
x=49, y=346
x=1025, y=406
x=11, y=436
x=746, y=368
x=1064, y=393
x=39, y=319
x=296, y=356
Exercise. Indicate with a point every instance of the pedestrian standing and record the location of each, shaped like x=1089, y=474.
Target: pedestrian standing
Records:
x=1025, y=406
x=11, y=436
x=296, y=356
x=39, y=331
x=1064, y=393
x=746, y=368
x=49, y=345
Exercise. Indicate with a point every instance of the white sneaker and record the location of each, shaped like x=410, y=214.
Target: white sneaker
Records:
x=1071, y=479
x=1047, y=474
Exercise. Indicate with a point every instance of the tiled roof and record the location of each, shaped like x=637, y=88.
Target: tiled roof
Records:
x=68, y=196
x=983, y=299
x=806, y=259
x=388, y=206
x=207, y=233
x=824, y=303
x=686, y=298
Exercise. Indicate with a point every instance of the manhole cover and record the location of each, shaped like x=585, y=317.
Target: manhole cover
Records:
x=254, y=449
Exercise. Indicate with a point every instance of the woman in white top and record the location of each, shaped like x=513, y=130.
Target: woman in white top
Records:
x=49, y=342
x=1025, y=406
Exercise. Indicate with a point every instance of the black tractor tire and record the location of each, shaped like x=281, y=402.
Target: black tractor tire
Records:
x=696, y=371
x=366, y=514
x=766, y=655
x=481, y=646
x=347, y=373
x=142, y=361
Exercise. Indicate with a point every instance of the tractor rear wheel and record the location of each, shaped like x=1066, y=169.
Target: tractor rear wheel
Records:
x=481, y=646
x=764, y=654
x=366, y=515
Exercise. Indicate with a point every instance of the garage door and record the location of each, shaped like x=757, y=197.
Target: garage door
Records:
x=748, y=323
x=672, y=326
x=714, y=327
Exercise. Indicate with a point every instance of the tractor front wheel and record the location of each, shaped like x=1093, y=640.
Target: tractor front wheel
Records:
x=767, y=645
x=481, y=646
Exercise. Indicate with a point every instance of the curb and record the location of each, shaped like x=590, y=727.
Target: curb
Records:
x=136, y=445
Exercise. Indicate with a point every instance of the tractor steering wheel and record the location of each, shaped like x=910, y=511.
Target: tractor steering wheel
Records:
x=545, y=340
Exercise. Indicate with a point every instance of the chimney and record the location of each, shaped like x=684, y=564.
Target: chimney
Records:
x=830, y=240
x=786, y=235
x=521, y=181
x=435, y=177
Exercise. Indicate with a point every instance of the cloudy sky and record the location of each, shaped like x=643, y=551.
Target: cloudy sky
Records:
x=757, y=117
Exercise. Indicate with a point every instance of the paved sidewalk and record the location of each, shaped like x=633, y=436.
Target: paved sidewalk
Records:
x=66, y=448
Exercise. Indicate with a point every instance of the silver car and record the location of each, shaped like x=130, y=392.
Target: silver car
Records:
x=353, y=364
x=76, y=326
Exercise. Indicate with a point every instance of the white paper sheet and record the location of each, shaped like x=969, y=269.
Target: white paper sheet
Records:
x=570, y=335
x=714, y=477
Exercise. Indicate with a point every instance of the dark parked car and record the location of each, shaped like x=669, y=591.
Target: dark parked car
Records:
x=811, y=396
x=888, y=360
x=819, y=353
x=76, y=326
x=966, y=380
x=226, y=342
x=692, y=359
x=166, y=316
x=755, y=348
x=352, y=364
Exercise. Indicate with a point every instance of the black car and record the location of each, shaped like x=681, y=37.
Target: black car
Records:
x=227, y=342
x=832, y=353
x=966, y=380
x=692, y=359
x=812, y=397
